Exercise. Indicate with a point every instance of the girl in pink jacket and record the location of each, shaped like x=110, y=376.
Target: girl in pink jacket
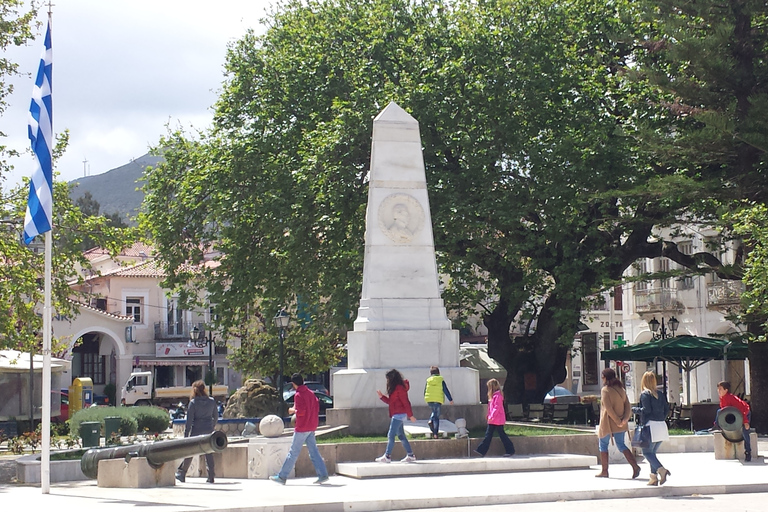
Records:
x=496, y=420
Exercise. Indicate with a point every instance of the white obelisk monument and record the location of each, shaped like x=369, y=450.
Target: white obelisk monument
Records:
x=401, y=322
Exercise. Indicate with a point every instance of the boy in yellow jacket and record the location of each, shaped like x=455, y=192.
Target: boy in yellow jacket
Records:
x=435, y=393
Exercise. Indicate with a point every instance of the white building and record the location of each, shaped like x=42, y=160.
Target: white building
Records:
x=700, y=305
x=131, y=322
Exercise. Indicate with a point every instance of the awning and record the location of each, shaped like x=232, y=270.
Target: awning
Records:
x=685, y=352
x=173, y=362
x=13, y=361
x=476, y=356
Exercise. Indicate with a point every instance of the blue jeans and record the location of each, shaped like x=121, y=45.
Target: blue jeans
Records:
x=396, y=429
x=299, y=439
x=618, y=437
x=482, y=448
x=435, y=417
x=650, y=454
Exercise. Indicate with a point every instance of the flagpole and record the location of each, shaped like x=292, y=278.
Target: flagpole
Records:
x=45, y=461
x=45, y=455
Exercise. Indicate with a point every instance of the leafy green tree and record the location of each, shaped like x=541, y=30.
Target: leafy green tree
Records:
x=709, y=58
x=541, y=190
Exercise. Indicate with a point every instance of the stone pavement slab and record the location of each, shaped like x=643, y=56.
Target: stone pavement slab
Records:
x=464, y=466
x=692, y=473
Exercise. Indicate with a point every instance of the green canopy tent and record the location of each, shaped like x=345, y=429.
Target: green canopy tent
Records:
x=685, y=352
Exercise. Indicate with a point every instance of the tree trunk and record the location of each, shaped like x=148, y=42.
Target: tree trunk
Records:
x=758, y=362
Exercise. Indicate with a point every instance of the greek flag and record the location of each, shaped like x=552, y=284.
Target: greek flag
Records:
x=38, y=218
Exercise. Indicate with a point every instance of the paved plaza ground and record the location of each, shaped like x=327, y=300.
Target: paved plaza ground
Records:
x=694, y=476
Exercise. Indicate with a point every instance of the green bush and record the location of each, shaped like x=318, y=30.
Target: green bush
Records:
x=151, y=419
x=132, y=419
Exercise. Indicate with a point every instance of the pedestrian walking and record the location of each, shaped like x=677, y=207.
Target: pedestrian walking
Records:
x=399, y=410
x=435, y=393
x=496, y=420
x=614, y=418
x=653, y=410
x=307, y=410
x=202, y=417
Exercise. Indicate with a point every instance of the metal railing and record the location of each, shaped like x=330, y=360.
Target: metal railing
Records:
x=656, y=299
x=724, y=292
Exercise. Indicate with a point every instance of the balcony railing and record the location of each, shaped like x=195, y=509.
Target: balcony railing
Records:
x=724, y=293
x=656, y=300
x=174, y=330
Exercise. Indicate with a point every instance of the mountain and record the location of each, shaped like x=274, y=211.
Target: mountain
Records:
x=118, y=190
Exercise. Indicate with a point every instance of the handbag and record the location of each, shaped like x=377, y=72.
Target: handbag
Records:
x=641, y=437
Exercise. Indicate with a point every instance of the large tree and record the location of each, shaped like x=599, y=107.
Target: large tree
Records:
x=711, y=58
x=541, y=191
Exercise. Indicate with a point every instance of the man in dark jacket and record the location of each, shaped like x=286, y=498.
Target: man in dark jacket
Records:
x=307, y=408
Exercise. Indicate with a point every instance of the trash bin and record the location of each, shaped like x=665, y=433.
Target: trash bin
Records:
x=111, y=427
x=90, y=433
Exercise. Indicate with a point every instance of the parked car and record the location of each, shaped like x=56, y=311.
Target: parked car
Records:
x=64, y=415
x=315, y=386
x=326, y=402
x=560, y=395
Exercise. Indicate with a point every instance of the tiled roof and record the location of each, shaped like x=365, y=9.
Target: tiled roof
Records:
x=149, y=268
x=137, y=250
x=100, y=311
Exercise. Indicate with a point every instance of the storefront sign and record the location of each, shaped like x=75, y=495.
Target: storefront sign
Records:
x=179, y=350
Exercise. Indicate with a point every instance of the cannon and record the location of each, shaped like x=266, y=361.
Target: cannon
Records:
x=731, y=422
x=157, y=453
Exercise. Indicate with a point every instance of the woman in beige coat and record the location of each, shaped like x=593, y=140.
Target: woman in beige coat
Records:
x=614, y=416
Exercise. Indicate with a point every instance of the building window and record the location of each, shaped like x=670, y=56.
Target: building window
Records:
x=92, y=365
x=642, y=270
x=164, y=376
x=589, y=358
x=133, y=308
x=686, y=282
x=665, y=283
x=193, y=373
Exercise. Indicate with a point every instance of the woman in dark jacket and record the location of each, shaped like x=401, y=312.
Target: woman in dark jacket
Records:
x=202, y=416
x=653, y=411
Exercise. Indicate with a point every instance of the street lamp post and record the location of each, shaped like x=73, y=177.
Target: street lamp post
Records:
x=198, y=338
x=659, y=331
x=281, y=322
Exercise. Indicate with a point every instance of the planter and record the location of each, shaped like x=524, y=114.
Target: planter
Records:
x=28, y=470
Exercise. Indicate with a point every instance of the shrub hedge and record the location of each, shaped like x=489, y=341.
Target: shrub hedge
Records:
x=144, y=419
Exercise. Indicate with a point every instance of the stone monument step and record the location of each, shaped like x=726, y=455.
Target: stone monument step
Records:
x=512, y=464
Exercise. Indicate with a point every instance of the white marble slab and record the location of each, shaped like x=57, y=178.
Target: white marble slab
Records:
x=465, y=466
x=266, y=456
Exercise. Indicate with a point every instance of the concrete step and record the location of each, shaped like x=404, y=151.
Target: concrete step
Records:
x=463, y=466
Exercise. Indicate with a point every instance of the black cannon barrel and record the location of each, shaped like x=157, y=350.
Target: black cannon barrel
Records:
x=731, y=421
x=157, y=453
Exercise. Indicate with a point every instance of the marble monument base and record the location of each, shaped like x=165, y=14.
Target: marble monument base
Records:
x=136, y=474
x=375, y=420
x=266, y=456
x=356, y=387
x=724, y=449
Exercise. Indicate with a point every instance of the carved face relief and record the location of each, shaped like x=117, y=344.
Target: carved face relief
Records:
x=401, y=217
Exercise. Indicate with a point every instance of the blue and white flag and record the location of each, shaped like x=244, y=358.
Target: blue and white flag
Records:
x=39, y=216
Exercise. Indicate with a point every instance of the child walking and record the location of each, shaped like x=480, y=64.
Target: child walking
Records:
x=496, y=420
x=435, y=393
x=399, y=410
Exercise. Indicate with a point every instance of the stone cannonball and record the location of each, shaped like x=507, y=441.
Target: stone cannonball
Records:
x=271, y=426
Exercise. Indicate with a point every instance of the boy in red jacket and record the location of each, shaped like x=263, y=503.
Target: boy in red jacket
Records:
x=729, y=399
x=307, y=408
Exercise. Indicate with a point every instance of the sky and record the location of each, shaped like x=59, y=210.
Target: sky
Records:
x=124, y=70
